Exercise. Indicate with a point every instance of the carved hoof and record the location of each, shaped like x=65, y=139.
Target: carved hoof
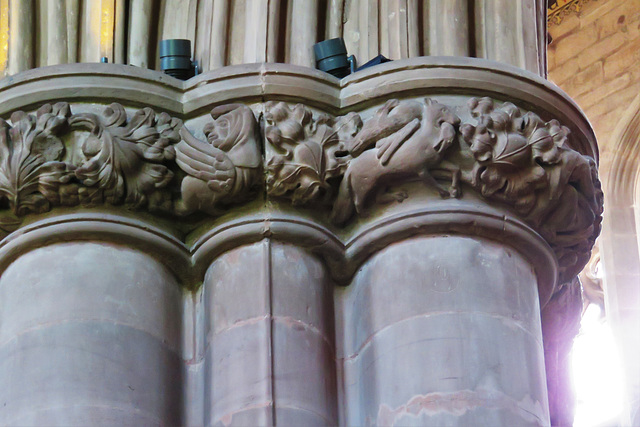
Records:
x=384, y=197
x=400, y=196
x=454, y=192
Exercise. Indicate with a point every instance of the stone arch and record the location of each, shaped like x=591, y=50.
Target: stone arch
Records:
x=619, y=248
x=621, y=178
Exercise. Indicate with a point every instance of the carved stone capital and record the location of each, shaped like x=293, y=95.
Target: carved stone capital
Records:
x=348, y=170
x=338, y=153
x=507, y=155
x=142, y=161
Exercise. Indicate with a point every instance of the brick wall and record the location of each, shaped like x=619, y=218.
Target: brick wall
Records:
x=595, y=58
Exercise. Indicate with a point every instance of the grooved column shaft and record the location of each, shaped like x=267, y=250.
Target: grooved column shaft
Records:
x=269, y=355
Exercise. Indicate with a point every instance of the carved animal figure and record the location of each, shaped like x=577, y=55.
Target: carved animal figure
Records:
x=225, y=167
x=410, y=138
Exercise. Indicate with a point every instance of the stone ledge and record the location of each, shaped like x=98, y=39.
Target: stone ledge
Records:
x=423, y=76
x=343, y=253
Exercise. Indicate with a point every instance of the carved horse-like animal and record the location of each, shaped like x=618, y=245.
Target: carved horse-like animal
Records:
x=411, y=138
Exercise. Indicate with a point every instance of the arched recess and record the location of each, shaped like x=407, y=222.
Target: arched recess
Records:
x=620, y=253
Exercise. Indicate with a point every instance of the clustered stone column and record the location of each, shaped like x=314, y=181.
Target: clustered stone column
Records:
x=277, y=247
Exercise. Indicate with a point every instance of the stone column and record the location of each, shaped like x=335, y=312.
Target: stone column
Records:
x=450, y=220
x=20, y=50
x=90, y=331
x=138, y=49
x=446, y=266
x=620, y=253
x=269, y=357
x=444, y=330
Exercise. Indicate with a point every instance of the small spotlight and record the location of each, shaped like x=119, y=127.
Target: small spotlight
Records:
x=331, y=57
x=175, y=59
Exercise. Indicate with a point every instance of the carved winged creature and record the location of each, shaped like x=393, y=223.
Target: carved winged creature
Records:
x=404, y=140
x=223, y=168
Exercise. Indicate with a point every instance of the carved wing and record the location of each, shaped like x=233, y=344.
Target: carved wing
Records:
x=204, y=161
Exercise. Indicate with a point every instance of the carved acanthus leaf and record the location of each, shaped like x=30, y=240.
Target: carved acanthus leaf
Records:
x=507, y=155
x=309, y=151
x=128, y=160
x=124, y=158
x=151, y=161
x=30, y=152
x=525, y=162
x=506, y=168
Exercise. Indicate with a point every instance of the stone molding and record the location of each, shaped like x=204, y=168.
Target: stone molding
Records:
x=621, y=179
x=344, y=255
x=422, y=76
x=102, y=227
x=486, y=151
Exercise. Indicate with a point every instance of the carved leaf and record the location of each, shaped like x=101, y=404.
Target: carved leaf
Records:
x=309, y=151
x=125, y=159
x=30, y=154
x=523, y=161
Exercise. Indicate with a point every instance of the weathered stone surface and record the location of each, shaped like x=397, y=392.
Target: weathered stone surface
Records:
x=80, y=336
x=426, y=342
x=508, y=156
x=230, y=33
x=268, y=325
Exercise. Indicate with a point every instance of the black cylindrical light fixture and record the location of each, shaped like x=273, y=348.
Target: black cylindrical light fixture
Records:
x=175, y=58
x=331, y=57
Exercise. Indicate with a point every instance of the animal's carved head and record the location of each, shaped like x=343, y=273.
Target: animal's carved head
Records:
x=443, y=120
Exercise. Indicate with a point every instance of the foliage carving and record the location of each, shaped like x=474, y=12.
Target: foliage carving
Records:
x=31, y=170
x=507, y=155
x=125, y=160
x=309, y=152
x=151, y=161
x=523, y=161
x=147, y=160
